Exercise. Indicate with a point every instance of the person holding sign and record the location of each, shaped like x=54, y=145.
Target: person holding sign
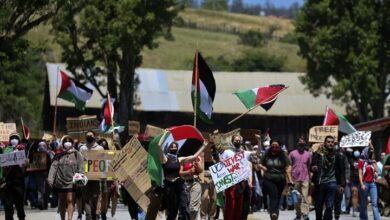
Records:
x=277, y=171
x=64, y=166
x=367, y=172
x=328, y=169
x=174, y=191
x=14, y=182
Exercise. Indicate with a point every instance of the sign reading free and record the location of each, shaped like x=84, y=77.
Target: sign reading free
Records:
x=230, y=171
x=97, y=164
x=317, y=134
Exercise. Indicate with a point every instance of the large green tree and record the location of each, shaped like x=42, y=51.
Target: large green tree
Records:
x=347, y=48
x=112, y=34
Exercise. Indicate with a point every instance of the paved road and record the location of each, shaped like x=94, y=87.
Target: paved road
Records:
x=122, y=214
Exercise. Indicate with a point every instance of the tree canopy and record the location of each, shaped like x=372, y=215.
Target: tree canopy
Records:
x=347, y=48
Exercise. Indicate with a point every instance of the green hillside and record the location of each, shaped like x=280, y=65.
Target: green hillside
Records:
x=213, y=33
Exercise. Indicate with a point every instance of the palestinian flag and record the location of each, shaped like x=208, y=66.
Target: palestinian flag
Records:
x=189, y=140
x=202, y=89
x=73, y=91
x=335, y=118
x=265, y=96
x=388, y=146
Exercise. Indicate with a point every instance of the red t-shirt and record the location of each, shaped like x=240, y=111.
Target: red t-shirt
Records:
x=368, y=174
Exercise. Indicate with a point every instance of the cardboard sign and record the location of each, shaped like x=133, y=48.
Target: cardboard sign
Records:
x=317, y=134
x=130, y=167
x=153, y=131
x=39, y=162
x=97, y=164
x=134, y=127
x=14, y=158
x=83, y=123
x=6, y=129
x=230, y=171
x=222, y=141
x=48, y=137
x=356, y=139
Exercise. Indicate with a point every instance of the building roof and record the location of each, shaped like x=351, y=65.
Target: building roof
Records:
x=170, y=90
x=374, y=125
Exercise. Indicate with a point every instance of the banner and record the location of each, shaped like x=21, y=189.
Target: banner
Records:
x=6, y=129
x=78, y=126
x=134, y=128
x=130, y=167
x=356, y=139
x=39, y=162
x=97, y=164
x=14, y=158
x=230, y=171
x=317, y=134
x=152, y=131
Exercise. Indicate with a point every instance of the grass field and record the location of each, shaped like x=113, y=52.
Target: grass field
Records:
x=178, y=54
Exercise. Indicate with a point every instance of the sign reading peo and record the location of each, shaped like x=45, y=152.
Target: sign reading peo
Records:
x=230, y=171
x=130, y=167
x=356, y=139
x=317, y=134
x=14, y=158
x=6, y=129
x=97, y=164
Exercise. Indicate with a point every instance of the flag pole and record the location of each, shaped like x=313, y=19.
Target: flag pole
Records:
x=196, y=86
x=249, y=110
x=24, y=134
x=112, y=118
x=56, y=106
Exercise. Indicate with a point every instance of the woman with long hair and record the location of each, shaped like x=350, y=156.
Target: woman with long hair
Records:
x=277, y=172
x=64, y=166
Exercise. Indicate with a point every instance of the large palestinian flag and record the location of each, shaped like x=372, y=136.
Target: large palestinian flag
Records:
x=189, y=140
x=202, y=89
x=265, y=96
x=335, y=118
x=73, y=91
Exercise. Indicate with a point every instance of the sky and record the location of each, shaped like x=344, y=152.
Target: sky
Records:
x=277, y=3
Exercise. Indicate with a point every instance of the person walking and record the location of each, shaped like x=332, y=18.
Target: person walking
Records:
x=277, y=172
x=328, y=176
x=300, y=160
x=368, y=169
x=209, y=196
x=62, y=170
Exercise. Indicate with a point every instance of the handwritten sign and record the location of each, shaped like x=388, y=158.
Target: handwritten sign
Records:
x=6, y=129
x=230, y=171
x=48, y=137
x=83, y=123
x=39, y=162
x=130, y=167
x=317, y=134
x=14, y=158
x=356, y=139
x=97, y=164
x=134, y=127
x=153, y=131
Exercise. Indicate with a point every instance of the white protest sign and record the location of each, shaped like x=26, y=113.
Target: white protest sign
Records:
x=356, y=139
x=14, y=158
x=230, y=171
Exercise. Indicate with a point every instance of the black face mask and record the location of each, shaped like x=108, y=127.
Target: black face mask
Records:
x=90, y=139
x=174, y=152
x=237, y=144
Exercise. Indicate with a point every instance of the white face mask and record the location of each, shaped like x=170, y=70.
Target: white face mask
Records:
x=14, y=142
x=42, y=147
x=67, y=145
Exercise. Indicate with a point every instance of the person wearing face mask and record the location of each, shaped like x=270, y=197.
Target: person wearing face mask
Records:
x=300, y=160
x=91, y=191
x=14, y=182
x=367, y=171
x=328, y=176
x=353, y=155
x=277, y=172
x=175, y=195
x=64, y=166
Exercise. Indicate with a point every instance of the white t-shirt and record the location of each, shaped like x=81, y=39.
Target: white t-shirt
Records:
x=229, y=153
x=94, y=147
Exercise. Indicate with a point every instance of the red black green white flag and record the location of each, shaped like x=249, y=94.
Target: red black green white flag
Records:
x=73, y=91
x=202, y=89
x=334, y=118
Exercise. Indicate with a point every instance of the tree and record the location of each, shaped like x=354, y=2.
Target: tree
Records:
x=237, y=6
x=215, y=5
x=112, y=34
x=347, y=48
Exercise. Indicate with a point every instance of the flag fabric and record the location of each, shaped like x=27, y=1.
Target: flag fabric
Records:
x=189, y=140
x=108, y=125
x=26, y=132
x=388, y=146
x=202, y=89
x=334, y=118
x=108, y=111
x=265, y=96
x=73, y=91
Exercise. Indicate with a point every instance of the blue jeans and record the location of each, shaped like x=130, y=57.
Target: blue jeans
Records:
x=325, y=195
x=370, y=188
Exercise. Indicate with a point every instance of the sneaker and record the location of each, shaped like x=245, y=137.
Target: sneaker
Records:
x=306, y=217
x=274, y=216
x=297, y=218
x=80, y=217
